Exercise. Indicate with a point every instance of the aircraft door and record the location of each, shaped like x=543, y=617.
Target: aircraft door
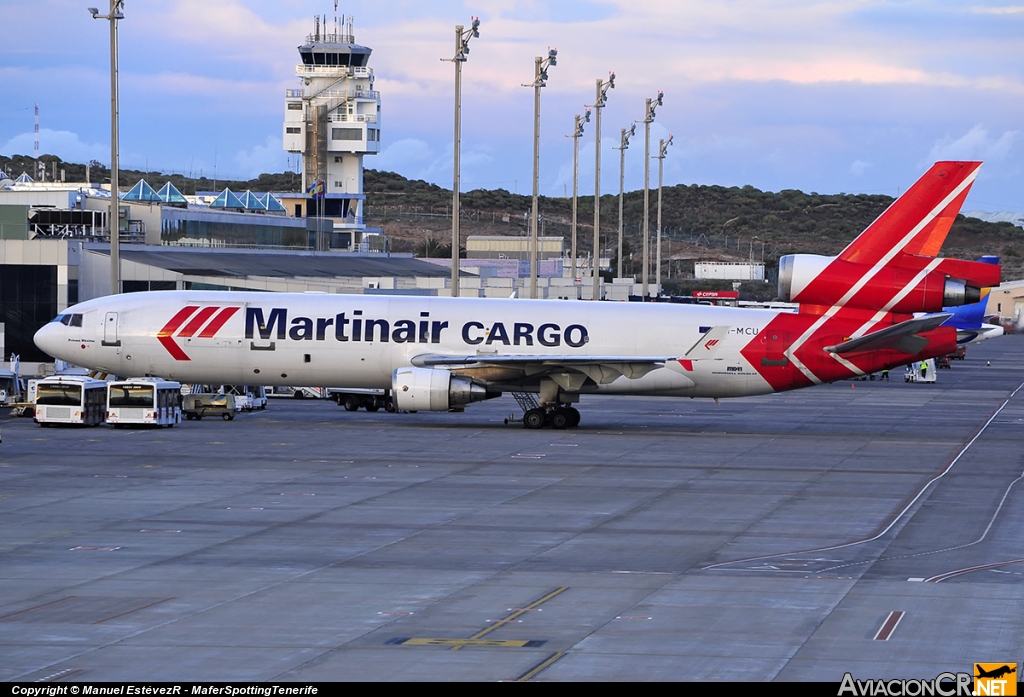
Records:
x=110, y=330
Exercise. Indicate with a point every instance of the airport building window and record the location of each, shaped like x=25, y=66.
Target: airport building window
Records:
x=28, y=300
x=293, y=129
x=141, y=286
x=230, y=234
x=346, y=134
x=294, y=106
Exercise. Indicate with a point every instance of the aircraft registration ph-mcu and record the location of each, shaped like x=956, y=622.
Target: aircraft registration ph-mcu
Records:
x=858, y=313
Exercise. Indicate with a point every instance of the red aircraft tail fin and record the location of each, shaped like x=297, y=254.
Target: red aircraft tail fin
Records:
x=919, y=220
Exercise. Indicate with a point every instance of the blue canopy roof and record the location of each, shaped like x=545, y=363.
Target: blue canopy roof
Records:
x=272, y=204
x=227, y=199
x=170, y=194
x=252, y=202
x=142, y=191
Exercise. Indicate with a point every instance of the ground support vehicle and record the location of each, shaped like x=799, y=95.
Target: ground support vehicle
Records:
x=144, y=402
x=196, y=406
x=9, y=388
x=70, y=399
x=916, y=374
x=352, y=398
x=297, y=392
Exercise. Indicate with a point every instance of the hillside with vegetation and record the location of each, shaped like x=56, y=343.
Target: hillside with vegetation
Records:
x=699, y=222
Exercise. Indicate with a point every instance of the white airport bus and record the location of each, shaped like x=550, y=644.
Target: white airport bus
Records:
x=70, y=399
x=144, y=401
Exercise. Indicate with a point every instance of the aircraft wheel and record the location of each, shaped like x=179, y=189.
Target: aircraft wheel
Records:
x=389, y=405
x=560, y=419
x=351, y=403
x=534, y=418
x=574, y=417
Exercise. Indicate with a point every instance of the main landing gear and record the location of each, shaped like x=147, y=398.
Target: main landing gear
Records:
x=561, y=417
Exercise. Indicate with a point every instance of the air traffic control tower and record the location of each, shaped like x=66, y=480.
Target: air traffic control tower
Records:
x=333, y=121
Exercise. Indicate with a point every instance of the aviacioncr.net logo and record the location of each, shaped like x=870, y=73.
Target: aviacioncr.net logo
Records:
x=943, y=685
x=995, y=679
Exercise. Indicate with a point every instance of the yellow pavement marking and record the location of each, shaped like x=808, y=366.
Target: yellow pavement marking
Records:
x=459, y=643
x=514, y=615
x=540, y=666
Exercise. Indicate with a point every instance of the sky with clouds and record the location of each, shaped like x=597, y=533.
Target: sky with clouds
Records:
x=819, y=95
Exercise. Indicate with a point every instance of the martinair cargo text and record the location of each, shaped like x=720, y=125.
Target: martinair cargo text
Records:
x=856, y=315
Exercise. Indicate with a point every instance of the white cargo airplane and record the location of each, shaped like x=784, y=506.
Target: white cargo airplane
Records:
x=856, y=316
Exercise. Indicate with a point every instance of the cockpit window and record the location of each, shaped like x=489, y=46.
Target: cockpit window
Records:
x=72, y=320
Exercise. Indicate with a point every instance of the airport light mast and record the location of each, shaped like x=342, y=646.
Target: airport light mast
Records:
x=602, y=97
x=648, y=119
x=577, y=133
x=462, y=37
x=114, y=223
x=623, y=146
x=662, y=150
x=540, y=77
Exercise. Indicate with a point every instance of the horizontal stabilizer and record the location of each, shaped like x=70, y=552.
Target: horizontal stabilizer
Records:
x=902, y=337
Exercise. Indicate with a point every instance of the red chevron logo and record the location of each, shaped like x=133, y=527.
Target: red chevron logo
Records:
x=195, y=320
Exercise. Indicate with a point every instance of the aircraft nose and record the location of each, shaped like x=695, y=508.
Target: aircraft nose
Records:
x=48, y=338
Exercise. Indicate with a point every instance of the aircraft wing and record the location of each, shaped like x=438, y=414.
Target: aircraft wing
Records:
x=600, y=369
x=902, y=337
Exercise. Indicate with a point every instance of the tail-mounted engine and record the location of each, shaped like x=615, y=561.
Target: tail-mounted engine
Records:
x=431, y=389
x=905, y=284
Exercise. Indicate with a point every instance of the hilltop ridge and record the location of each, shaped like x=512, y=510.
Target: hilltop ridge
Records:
x=699, y=221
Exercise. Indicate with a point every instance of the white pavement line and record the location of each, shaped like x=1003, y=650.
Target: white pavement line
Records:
x=899, y=516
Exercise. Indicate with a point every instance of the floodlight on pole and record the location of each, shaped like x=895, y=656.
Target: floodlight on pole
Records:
x=113, y=222
x=601, y=99
x=623, y=146
x=577, y=133
x=651, y=106
x=540, y=77
x=662, y=150
x=462, y=37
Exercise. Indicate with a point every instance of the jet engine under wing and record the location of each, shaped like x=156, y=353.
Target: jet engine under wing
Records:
x=600, y=369
x=902, y=337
